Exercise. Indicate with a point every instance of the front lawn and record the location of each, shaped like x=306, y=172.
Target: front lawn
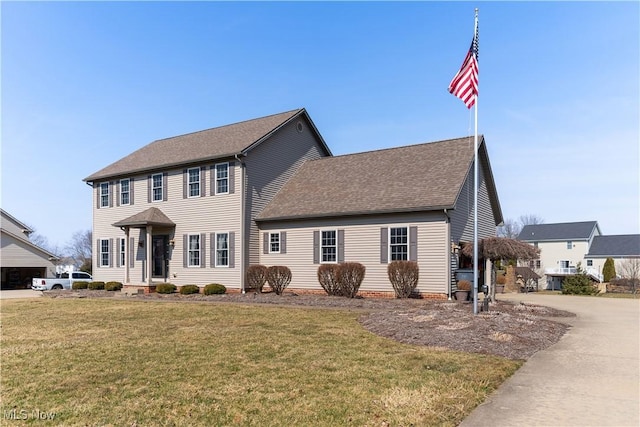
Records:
x=124, y=363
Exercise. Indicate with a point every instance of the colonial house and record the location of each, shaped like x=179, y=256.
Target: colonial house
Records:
x=21, y=260
x=200, y=208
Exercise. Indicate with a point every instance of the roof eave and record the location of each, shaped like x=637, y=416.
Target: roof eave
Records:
x=354, y=213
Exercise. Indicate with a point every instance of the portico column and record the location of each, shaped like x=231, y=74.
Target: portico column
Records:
x=149, y=260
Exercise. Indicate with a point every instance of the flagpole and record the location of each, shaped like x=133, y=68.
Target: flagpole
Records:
x=475, y=196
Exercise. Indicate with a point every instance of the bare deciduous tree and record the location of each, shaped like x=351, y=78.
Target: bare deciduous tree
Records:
x=80, y=247
x=630, y=269
x=530, y=219
x=511, y=228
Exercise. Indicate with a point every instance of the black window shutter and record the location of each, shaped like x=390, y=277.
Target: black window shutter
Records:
x=98, y=255
x=232, y=249
x=185, y=250
x=149, y=184
x=131, y=191
x=203, y=181
x=384, y=245
x=131, y=252
x=111, y=252
x=117, y=193
x=118, y=253
x=413, y=243
x=340, y=245
x=265, y=243
x=232, y=177
x=212, y=250
x=283, y=242
x=98, y=196
x=203, y=250
x=165, y=182
x=111, y=185
x=316, y=247
x=212, y=180
x=185, y=173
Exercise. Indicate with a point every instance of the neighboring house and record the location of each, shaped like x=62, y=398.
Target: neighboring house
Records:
x=202, y=207
x=562, y=246
x=20, y=259
x=620, y=248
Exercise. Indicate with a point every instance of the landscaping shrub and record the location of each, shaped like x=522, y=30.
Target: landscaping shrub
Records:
x=80, y=285
x=501, y=279
x=95, y=286
x=579, y=284
x=112, y=286
x=464, y=285
x=189, y=289
x=214, y=288
x=328, y=278
x=350, y=277
x=256, y=277
x=165, y=288
x=403, y=276
x=608, y=270
x=279, y=278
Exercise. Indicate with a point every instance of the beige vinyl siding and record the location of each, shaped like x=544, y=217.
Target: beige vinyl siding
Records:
x=269, y=166
x=196, y=215
x=362, y=244
x=17, y=252
x=14, y=228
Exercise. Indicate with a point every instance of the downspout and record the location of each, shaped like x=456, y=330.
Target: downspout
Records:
x=243, y=227
x=448, y=222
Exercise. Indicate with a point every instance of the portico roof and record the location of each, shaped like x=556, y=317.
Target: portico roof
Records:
x=151, y=216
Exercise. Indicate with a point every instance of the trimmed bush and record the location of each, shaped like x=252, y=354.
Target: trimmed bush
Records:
x=257, y=277
x=403, y=276
x=578, y=284
x=96, y=286
x=165, y=288
x=112, y=286
x=609, y=270
x=80, y=285
x=328, y=278
x=189, y=289
x=279, y=278
x=214, y=288
x=501, y=279
x=350, y=277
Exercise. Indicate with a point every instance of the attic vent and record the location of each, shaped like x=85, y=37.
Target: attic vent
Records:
x=299, y=126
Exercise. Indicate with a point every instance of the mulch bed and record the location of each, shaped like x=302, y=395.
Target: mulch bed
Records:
x=514, y=331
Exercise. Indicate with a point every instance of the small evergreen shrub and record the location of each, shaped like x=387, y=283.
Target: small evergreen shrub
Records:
x=608, y=270
x=165, y=288
x=214, y=288
x=403, y=276
x=350, y=277
x=112, y=286
x=279, y=278
x=80, y=285
x=257, y=277
x=189, y=289
x=96, y=286
x=578, y=284
x=464, y=285
x=328, y=278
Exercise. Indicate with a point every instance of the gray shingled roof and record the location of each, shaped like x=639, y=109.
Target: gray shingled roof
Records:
x=220, y=142
x=151, y=216
x=623, y=245
x=559, y=231
x=405, y=179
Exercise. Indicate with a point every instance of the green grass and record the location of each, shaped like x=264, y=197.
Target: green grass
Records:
x=123, y=363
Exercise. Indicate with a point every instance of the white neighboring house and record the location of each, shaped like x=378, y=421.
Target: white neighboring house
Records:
x=21, y=260
x=618, y=247
x=562, y=246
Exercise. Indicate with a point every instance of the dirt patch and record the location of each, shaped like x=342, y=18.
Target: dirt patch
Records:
x=514, y=331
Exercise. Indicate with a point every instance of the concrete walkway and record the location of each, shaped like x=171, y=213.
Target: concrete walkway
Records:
x=591, y=377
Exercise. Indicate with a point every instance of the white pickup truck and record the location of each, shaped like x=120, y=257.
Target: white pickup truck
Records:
x=61, y=281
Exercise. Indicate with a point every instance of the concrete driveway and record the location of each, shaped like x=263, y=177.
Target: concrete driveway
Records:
x=19, y=293
x=591, y=377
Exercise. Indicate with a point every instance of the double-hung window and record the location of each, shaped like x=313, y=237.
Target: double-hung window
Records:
x=194, y=182
x=222, y=249
x=122, y=254
x=104, y=194
x=274, y=243
x=194, y=250
x=156, y=187
x=104, y=253
x=125, y=192
x=398, y=244
x=329, y=246
x=222, y=178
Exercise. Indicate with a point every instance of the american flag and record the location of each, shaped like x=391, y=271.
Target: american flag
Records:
x=465, y=83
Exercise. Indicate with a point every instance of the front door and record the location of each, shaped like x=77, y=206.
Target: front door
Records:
x=159, y=255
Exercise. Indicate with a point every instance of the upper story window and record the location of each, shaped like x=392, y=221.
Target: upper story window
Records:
x=398, y=244
x=569, y=244
x=194, y=250
x=104, y=194
x=156, y=187
x=194, y=182
x=329, y=246
x=274, y=243
x=589, y=263
x=222, y=249
x=222, y=178
x=125, y=192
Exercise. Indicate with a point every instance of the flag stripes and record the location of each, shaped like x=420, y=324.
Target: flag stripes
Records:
x=464, y=84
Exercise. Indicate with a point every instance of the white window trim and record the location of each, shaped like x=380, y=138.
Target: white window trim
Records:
x=128, y=192
x=104, y=195
x=220, y=179
x=103, y=252
x=189, y=183
x=217, y=249
x=189, y=251
x=279, y=242
x=406, y=244
x=322, y=261
x=153, y=188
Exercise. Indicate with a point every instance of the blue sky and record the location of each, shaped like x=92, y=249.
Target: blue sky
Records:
x=84, y=84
